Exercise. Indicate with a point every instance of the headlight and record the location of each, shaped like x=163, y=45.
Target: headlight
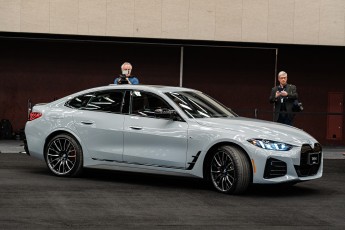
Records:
x=270, y=145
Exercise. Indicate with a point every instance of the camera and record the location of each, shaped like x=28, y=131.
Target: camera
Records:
x=297, y=106
x=122, y=79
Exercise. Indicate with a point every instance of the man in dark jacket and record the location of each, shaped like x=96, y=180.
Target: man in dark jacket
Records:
x=283, y=97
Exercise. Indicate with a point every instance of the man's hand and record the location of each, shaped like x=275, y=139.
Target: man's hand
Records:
x=277, y=94
x=283, y=93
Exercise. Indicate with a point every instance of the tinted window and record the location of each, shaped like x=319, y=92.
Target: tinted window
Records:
x=79, y=101
x=198, y=105
x=107, y=101
x=145, y=104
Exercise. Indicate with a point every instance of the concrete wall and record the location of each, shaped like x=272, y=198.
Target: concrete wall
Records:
x=317, y=22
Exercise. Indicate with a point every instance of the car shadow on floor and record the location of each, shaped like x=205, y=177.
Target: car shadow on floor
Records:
x=143, y=179
x=185, y=183
x=282, y=190
x=188, y=183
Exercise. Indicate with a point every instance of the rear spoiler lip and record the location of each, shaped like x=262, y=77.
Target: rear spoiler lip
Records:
x=40, y=104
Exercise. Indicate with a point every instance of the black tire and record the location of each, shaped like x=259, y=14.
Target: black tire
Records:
x=64, y=156
x=228, y=170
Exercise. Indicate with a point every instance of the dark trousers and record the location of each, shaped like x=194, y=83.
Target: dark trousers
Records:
x=285, y=118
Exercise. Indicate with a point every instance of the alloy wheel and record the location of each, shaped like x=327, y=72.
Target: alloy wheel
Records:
x=61, y=156
x=223, y=171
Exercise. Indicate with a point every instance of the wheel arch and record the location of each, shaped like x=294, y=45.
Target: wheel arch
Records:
x=76, y=167
x=58, y=132
x=228, y=143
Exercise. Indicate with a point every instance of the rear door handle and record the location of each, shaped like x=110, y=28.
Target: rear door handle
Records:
x=87, y=122
x=136, y=127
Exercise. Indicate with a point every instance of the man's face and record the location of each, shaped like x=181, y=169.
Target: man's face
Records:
x=282, y=79
x=126, y=70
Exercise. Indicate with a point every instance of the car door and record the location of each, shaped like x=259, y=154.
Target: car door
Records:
x=149, y=140
x=100, y=125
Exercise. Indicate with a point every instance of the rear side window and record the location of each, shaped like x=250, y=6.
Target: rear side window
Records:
x=106, y=101
x=79, y=101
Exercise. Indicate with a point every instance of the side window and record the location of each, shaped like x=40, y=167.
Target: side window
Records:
x=107, y=101
x=79, y=101
x=145, y=104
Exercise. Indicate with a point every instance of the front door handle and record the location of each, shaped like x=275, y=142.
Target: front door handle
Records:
x=136, y=127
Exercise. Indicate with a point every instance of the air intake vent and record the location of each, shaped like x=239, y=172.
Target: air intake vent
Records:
x=195, y=158
x=274, y=168
x=310, y=160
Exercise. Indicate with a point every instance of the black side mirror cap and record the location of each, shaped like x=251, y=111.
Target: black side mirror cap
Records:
x=166, y=113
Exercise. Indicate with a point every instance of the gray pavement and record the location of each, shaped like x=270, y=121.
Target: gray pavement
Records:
x=17, y=146
x=11, y=146
x=32, y=198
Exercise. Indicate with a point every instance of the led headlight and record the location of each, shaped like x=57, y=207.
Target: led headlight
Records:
x=270, y=145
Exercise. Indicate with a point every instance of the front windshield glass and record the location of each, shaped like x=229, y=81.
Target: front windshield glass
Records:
x=199, y=105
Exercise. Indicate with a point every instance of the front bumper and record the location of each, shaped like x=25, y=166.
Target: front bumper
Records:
x=299, y=164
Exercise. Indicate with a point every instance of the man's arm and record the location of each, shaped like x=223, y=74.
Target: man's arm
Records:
x=292, y=94
x=134, y=80
x=273, y=95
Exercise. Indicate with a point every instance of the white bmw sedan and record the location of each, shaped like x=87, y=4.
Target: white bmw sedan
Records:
x=168, y=130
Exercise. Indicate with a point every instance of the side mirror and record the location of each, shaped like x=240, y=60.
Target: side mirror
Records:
x=165, y=113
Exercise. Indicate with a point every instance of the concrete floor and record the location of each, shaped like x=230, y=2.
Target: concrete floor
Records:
x=32, y=198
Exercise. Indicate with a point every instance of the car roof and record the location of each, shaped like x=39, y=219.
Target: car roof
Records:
x=158, y=89
x=152, y=88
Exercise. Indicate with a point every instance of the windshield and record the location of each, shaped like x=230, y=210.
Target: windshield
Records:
x=199, y=105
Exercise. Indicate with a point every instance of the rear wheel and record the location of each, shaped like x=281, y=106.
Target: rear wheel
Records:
x=228, y=170
x=64, y=156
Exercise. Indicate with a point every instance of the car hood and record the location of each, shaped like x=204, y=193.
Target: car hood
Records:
x=260, y=129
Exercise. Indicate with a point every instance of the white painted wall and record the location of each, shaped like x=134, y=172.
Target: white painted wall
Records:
x=317, y=22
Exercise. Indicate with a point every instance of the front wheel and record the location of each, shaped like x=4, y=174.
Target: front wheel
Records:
x=64, y=156
x=228, y=170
